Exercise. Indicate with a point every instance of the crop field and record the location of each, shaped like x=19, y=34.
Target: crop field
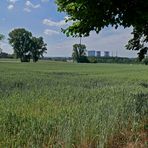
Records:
x=69, y=105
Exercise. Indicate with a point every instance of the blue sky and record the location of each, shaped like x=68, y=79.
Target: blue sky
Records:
x=42, y=19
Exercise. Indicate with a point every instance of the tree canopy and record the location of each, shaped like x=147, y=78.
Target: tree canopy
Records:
x=2, y=37
x=79, y=53
x=38, y=48
x=25, y=45
x=138, y=42
x=88, y=15
x=20, y=40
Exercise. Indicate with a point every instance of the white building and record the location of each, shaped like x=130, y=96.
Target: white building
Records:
x=98, y=53
x=106, y=54
x=91, y=53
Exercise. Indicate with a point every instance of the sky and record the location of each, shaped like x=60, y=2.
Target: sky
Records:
x=42, y=19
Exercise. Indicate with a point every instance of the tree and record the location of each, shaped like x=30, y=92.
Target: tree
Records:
x=145, y=60
x=138, y=42
x=20, y=40
x=38, y=48
x=79, y=53
x=25, y=45
x=88, y=15
x=2, y=37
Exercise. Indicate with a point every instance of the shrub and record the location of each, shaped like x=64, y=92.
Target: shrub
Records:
x=145, y=61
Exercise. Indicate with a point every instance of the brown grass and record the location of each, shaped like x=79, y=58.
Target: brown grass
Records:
x=129, y=139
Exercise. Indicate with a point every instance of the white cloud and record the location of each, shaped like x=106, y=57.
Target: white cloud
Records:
x=11, y=4
x=10, y=7
x=50, y=32
x=31, y=5
x=53, y=23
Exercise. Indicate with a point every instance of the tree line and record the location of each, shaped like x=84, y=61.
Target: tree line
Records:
x=87, y=16
x=79, y=56
x=25, y=45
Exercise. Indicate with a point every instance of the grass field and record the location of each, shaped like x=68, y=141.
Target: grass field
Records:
x=67, y=105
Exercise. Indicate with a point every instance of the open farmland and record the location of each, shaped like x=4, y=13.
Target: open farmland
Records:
x=53, y=104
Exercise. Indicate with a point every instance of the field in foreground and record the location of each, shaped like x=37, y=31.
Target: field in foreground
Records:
x=67, y=105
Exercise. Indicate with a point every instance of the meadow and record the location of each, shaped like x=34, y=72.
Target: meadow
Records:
x=69, y=105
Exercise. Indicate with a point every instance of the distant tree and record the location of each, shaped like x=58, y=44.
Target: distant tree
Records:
x=2, y=37
x=25, y=45
x=79, y=53
x=38, y=48
x=20, y=40
x=145, y=60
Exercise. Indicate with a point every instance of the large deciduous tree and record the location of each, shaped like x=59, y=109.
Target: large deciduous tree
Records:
x=25, y=45
x=88, y=15
x=20, y=40
x=38, y=48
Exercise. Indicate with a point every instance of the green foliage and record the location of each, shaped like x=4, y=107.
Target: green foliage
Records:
x=145, y=61
x=20, y=40
x=57, y=104
x=25, y=45
x=138, y=42
x=38, y=48
x=2, y=37
x=6, y=55
x=79, y=53
x=89, y=15
x=93, y=59
x=113, y=60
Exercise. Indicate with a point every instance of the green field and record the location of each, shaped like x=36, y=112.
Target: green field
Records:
x=68, y=105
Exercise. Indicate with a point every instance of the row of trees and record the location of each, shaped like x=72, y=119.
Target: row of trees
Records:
x=25, y=45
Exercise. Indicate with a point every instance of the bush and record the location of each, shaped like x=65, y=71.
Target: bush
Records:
x=25, y=58
x=145, y=61
x=93, y=60
x=83, y=59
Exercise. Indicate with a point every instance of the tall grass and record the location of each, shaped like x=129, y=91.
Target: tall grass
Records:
x=68, y=105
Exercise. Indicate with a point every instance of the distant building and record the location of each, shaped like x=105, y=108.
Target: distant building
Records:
x=91, y=53
x=98, y=53
x=106, y=54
